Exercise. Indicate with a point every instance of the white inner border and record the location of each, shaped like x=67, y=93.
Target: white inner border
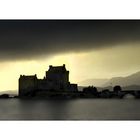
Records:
x=69, y=9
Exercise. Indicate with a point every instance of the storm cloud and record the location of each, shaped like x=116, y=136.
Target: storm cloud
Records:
x=30, y=39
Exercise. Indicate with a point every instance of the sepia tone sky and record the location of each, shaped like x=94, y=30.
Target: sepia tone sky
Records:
x=89, y=48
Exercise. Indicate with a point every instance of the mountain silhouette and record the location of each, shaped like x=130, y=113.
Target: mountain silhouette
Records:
x=95, y=82
x=131, y=81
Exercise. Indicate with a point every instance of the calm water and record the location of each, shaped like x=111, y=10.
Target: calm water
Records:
x=72, y=109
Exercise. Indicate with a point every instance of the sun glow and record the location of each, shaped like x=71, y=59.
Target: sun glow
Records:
x=10, y=71
x=83, y=65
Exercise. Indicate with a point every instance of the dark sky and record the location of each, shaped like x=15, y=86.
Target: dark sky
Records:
x=24, y=39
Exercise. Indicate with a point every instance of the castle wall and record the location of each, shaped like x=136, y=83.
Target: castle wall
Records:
x=27, y=85
x=57, y=77
x=43, y=84
x=71, y=88
x=57, y=80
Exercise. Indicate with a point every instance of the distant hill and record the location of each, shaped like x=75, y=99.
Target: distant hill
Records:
x=94, y=82
x=132, y=87
x=9, y=92
x=128, y=82
x=131, y=80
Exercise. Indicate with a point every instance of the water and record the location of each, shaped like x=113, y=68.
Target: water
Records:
x=70, y=109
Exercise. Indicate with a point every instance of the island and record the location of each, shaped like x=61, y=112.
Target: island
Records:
x=56, y=84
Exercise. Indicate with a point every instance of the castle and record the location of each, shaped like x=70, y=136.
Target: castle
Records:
x=55, y=80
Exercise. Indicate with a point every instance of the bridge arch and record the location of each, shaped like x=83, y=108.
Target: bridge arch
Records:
x=128, y=95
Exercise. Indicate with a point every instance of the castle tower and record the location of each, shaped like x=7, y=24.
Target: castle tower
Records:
x=58, y=75
x=27, y=85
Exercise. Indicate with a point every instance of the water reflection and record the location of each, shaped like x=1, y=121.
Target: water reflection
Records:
x=129, y=96
x=43, y=109
x=73, y=109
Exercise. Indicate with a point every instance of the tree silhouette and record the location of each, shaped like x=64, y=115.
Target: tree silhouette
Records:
x=90, y=90
x=117, y=88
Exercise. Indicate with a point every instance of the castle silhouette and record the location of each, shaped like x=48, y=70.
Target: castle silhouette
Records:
x=56, y=84
x=55, y=80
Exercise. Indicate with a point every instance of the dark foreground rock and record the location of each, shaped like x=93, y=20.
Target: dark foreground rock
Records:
x=4, y=96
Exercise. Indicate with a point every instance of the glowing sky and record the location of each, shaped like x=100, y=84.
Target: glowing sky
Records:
x=105, y=63
x=90, y=49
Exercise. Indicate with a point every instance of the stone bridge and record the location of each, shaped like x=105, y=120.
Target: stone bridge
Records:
x=123, y=94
